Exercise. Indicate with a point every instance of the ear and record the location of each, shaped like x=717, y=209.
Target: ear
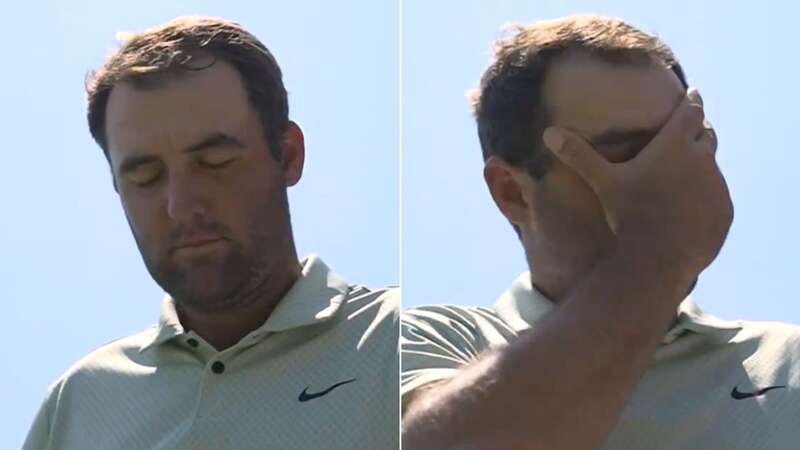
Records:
x=512, y=189
x=293, y=154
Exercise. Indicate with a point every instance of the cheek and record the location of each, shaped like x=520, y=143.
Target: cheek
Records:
x=145, y=221
x=247, y=201
x=571, y=217
x=259, y=178
x=571, y=199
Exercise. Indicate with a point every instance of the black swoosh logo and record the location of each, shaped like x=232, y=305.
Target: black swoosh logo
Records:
x=738, y=395
x=305, y=396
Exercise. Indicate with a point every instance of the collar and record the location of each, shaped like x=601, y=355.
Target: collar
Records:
x=315, y=297
x=522, y=305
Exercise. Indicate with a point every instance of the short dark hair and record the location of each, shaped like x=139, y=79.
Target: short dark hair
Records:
x=191, y=43
x=508, y=106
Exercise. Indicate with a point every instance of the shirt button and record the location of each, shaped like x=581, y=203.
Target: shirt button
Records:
x=192, y=342
x=217, y=367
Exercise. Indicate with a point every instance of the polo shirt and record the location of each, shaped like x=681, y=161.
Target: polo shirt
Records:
x=321, y=372
x=686, y=398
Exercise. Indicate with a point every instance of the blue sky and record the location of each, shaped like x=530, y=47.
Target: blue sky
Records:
x=741, y=55
x=71, y=272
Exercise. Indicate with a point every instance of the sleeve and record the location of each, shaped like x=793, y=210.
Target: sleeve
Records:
x=39, y=434
x=435, y=342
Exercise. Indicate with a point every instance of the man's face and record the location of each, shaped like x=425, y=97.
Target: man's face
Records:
x=618, y=108
x=203, y=195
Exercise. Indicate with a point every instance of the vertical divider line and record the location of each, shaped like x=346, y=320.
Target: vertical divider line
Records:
x=399, y=201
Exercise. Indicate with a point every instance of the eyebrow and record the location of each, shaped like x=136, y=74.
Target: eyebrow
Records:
x=217, y=139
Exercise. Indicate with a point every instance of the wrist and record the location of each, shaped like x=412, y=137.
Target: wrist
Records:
x=652, y=257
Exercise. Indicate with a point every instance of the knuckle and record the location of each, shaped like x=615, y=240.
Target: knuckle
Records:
x=694, y=114
x=706, y=144
x=712, y=136
x=569, y=151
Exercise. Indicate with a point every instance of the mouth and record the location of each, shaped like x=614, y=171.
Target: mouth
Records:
x=198, y=245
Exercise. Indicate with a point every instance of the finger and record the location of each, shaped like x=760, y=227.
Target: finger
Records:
x=682, y=128
x=572, y=150
x=693, y=118
x=706, y=141
x=708, y=136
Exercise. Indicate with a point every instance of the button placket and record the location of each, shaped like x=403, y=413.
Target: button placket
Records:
x=212, y=382
x=218, y=367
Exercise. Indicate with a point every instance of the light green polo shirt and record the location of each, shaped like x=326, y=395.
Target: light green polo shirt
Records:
x=320, y=373
x=685, y=401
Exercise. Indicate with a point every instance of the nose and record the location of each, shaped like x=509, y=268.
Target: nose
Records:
x=185, y=198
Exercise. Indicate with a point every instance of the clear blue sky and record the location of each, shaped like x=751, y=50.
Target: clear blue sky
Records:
x=72, y=277
x=741, y=55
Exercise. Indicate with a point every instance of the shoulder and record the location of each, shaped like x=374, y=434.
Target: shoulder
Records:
x=113, y=360
x=374, y=313
x=770, y=347
x=469, y=320
x=437, y=341
x=447, y=312
x=781, y=336
x=776, y=337
x=466, y=331
x=108, y=356
x=382, y=302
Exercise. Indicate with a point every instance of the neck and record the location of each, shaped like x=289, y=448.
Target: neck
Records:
x=555, y=270
x=223, y=329
x=552, y=281
x=554, y=275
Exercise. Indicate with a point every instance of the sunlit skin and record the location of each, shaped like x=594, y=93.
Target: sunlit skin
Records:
x=618, y=108
x=205, y=198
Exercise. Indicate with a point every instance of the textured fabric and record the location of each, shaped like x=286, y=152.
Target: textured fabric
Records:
x=683, y=402
x=160, y=389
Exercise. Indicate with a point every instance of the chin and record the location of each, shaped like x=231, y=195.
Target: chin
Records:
x=206, y=288
x=205, y=300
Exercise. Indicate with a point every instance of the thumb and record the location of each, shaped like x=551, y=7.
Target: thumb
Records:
x=573, y=150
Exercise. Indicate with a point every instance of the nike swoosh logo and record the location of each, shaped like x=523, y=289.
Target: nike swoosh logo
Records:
x=305, y=396
x=738, y=395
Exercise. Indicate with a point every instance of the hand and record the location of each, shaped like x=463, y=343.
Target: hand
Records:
x=671, y=198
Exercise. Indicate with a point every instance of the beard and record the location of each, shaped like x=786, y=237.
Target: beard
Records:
x=215, y=282
x=235, y=276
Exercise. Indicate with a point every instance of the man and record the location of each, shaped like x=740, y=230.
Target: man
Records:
x=604, y=165
x=254, y=349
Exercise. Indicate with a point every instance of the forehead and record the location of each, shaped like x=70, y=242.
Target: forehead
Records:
x=591, y=96
x=176, y=111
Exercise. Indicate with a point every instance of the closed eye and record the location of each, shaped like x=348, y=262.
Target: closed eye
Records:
x=619, y=146
x=149, y=182
x=215, y=158
x=144, y=175
x=215, y=164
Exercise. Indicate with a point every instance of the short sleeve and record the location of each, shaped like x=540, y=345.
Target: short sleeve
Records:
x=39, y=434
x=437, y=341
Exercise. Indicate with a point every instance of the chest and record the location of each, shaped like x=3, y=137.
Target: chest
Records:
x=326, y=388
x=710, y=400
